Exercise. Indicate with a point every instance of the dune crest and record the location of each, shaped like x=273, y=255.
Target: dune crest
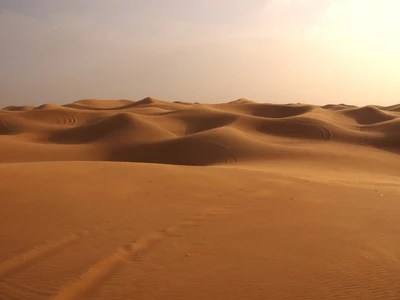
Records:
x=148, y=101
x=241, y=101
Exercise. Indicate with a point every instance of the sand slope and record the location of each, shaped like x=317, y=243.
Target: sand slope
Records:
x=101, y=230
x=106, y=200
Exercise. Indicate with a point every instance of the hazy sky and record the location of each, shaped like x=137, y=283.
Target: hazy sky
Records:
x=314, y=51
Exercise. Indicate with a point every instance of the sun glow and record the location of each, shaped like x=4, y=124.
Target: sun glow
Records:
x=371, y=26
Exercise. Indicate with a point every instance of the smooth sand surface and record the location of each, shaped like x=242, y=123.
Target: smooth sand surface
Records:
x=103, y=199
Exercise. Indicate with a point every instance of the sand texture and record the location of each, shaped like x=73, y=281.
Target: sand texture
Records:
x=117, y=199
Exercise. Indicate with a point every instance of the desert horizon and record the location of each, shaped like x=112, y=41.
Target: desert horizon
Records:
x=149, y=199
x=265, y=164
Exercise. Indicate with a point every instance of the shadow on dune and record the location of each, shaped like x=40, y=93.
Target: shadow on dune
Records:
x=367, y=115
x=119, y=127
x=182, y=151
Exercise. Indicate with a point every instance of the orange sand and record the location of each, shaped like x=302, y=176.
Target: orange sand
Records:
x=158, y=200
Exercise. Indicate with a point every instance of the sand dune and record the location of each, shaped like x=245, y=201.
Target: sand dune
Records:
x=241, y=101
x=18, y=108
x=338, y=106
x=148, y=199
x=133, y=129
x=118, y=127
x=47, y=106
x=100, y=104
x=368, y=115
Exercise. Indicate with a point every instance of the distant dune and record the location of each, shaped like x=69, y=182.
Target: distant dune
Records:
x=239, y=131
x=104, y=199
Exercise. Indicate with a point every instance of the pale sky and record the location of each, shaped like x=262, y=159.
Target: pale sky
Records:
x=279, y=51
